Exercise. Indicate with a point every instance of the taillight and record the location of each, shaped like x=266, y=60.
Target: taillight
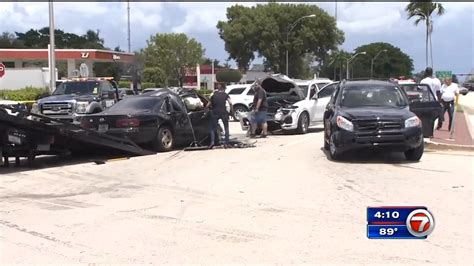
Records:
x=86, y=123
x=127, y=122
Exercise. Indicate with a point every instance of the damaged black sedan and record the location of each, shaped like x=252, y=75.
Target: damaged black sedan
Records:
x=160, y=120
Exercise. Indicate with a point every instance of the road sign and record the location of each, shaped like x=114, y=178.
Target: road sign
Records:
x=444, y=74
x=420, y=223
x=2, y=70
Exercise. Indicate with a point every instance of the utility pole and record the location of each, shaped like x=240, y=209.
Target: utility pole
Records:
x=52, y=57
x=128, y=26
x=335, y=12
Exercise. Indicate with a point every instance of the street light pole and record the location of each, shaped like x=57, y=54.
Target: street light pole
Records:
x=52, y=57
x=372, y=62
x=288, y=35
x=349, y=61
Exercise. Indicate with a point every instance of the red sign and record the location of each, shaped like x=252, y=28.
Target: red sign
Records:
x=2, y=70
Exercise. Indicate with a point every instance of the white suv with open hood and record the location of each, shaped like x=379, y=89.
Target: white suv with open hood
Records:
x=290, y=107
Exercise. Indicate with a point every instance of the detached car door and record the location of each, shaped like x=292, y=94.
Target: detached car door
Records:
x=424, y=104
x=198, y=115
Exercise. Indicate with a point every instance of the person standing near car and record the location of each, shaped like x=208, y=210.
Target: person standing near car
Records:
x=217, y=104
x=433, y=82
x=449, y=96
x=260, y=104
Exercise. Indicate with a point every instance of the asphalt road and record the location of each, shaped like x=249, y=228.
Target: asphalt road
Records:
x=281, y=202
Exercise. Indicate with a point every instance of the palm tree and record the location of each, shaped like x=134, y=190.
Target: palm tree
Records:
x=422, y=11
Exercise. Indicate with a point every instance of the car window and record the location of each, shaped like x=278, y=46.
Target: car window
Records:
x=313, y=90
x=304, y=89
x=135, y=105
x=78, y=88
x=372, y=95
x=418, y=93
x=326, y=91
x=176, y=105
x=236, y=91
x=321, y=85
x=193, y=103
x=251, y=92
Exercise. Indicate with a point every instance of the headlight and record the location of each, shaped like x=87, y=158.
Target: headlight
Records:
x=81, y=107
x=343, y=123
x=412, y=122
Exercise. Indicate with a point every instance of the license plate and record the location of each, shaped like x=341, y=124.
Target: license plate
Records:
x=103, y=128
x=14, y=139
x=43, y=147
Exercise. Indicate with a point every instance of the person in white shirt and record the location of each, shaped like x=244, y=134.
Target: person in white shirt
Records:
x=449, y=94
x=433, y=82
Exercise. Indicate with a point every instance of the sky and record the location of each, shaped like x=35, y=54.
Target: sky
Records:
x=362, y=23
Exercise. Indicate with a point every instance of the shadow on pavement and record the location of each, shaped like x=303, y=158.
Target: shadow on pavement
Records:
x=371, y=156
x=52, y=161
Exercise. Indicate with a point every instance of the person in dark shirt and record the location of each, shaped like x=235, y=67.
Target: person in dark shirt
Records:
x=217, y=104
x=260, y=104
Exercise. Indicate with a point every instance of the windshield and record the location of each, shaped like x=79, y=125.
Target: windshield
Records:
x=79, y=88
x=372, y=95
x=304, y=89
x=135, y=105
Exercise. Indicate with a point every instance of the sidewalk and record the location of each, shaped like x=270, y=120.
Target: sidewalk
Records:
x=463, y=126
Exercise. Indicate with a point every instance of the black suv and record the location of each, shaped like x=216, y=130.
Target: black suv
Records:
x=379, y=114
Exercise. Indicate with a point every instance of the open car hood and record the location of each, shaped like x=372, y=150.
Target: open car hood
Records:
x=281, y=85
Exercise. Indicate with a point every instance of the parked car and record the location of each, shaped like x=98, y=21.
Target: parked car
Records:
x=314, y=84
x=160, y=119
x=75, y=98
x=469, y=85
x=241, y=96
x=292, y=107
x=379, y=114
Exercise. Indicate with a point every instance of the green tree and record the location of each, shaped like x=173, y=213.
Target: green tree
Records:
x=173, y=53
x=262, y=30
x=422, y=11
x=392, y=63
x=208, y=61
x=9, y=40
x=154, y=75
x=228, y=76
x=333, y=66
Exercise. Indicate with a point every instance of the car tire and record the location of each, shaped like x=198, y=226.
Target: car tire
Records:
x=239, y=108
x=326, y=142
x=164, y=140
x=334, y=152
x=416, y=153
x=303, y=123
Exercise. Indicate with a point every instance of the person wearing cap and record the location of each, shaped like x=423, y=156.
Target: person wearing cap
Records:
x=449, y=96
x=217, y=104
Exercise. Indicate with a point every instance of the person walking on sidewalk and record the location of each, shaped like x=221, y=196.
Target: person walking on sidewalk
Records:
x=449, y=97
x=261, y=106
x=217, y=104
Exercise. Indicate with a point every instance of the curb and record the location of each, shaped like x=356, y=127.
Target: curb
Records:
x=443, y=146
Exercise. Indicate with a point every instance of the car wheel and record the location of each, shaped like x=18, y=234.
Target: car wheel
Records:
x=237, y=110
x=416, y=153
x=333, y=150
x=326, y=141
x=164, y=140
x=303, y=123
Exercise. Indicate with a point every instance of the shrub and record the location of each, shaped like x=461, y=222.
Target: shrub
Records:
x=124, y=84
x=25, y=94
x=147, y=85
x=228, y=76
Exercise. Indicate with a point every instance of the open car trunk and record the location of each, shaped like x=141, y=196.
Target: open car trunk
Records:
x=281, y=92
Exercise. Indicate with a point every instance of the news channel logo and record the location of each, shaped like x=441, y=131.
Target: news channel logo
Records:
x=399, y=222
